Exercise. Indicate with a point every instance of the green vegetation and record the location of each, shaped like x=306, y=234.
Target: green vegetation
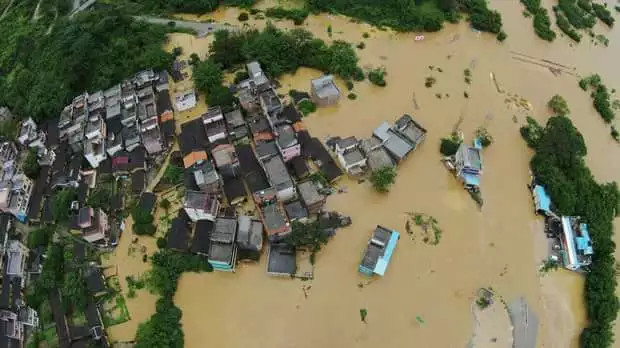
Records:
x=361, y=45
x=617, y=8
x=585, y=5
x=365, y=35
x=8, y=128
x=501, y=36
x=603, y=14
x=483, y=302
x=449, y=146
x=281, y=52
x=298, y=16
x=309, y=235
x=413, y=15
x=363, y=314
x=484, y=136
x=40, y=237
x=173, y=175
x=101, y=196
x=164, y=329
x=565, y=26
x=349, y=84
x=243, y=16
x=165, y=7
x=377, y=77
x=96, y=48
x=142, y=222
x=559, y=165
x=600, y=96
x=208, y=78
x=615, y=134
x=558, y=105
x=165, y=204
x=542, y=23
x=62, y=203
x=74, y=291
x=576, y=16
x=427, y=224
x=467, y=74
x=352, y=96
x=383, y=178
x=430, y=81
x=31, y=164
x=548, y=265
x=241, y=75
x=306, y=107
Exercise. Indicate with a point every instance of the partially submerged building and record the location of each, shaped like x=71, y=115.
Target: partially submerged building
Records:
x=324, y=91
x=379, y=251
x=281, y=260
x=249, y=238
x=275, y=221
x=576, y=244
x=223, y=249
x=376, y=156
x=468, y=166
x=394, y=143
x=350, y=156
x=201, y=241
x=310, y=196
x=411, y=130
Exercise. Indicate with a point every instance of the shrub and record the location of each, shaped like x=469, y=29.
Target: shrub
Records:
x=142, y=222
x=298, y=16
x=615, y=134
x=361, y=45
x=349, y=84
x=177, y=51
x=31, y=164
x=240, y=76
x=383, y=178
x=501, y=36
x=576, y=16
x=161, y=242
x=558, y=105
x=365, y=35
x=352, y=96
x=306, y=107
x=358, y=74
x=566, y=27
x=484, y=137
x=243, y=16
x=377, y=77
x=194, y=59
x=430, y=81
x=449, y=146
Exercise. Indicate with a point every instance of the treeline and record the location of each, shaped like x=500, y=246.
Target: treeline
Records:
x=414, y=15
x=163, y=329
x=41, y=72
x=142, y=7
x=573, y=15
x=600, y=96
x=560, y=167
x=281, y=52
x=542, y=23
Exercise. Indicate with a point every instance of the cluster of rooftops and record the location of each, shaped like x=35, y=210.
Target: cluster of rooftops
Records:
x=260, y=150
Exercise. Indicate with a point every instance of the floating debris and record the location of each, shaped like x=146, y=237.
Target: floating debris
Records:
x=429, y=227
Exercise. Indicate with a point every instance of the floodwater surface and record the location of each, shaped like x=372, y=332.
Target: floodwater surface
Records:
x=498, y=246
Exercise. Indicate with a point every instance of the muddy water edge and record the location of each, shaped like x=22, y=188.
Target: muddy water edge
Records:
x=497, y=246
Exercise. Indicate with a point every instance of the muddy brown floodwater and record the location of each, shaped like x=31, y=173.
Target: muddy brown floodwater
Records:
x=499, y=246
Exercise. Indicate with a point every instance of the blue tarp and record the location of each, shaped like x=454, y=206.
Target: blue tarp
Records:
x=477, y=143
x=470, y=179
x=543, y=201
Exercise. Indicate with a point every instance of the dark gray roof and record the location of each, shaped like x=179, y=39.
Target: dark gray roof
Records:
x=299, y=167
x=266, y=149
x=147, y=201
x=202, y=237
x=309, y=192
x=138, y=181
x=94, y=280
x=277, y=173
x=295, y=210
x=178, y=235
x=36, y=198
x=225, y=230
x=82, y=193
x=249, y=233
x=376, y=247
x=273, y=217
x=193, y=137
x=286, y=136
x=348, y=141
x=291, y=114
x=281, y=259
x=234, y=189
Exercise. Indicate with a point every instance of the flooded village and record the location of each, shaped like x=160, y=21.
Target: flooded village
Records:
x=422, y=264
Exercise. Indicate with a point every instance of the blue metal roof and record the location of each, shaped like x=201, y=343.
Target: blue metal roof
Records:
x=477, y=143
x=471, y=179
x=384, y=260
x=584, y=242
x=543, y=201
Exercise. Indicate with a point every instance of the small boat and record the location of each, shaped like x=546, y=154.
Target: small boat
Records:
x=419, y=38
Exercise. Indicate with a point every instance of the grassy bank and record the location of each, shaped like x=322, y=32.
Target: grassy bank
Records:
x=559, y=165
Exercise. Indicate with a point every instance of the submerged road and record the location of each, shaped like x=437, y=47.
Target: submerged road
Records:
x=201, y=28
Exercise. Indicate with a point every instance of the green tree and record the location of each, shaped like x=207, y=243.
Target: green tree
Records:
x=142, y=222
x=173, y=174
x=9, y=128
x=558, y=105
x=40, y=237
x=383, y=178
x=74, y=291
x=31, y=164
x=164, y=204
x=101, y=196
x=62, y=203
x=207, y=76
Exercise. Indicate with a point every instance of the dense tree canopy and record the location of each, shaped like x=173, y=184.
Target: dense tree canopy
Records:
x=282, y=52
x=41, y=71
x=559, y=165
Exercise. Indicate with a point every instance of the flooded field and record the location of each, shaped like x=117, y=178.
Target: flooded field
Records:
x=498, y=246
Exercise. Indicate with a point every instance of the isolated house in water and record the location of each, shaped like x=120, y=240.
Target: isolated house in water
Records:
x=411, y=130
x=379, y=251
x=281, y=260
x=223, y=249
x=542, y=201
x=324, y=91
x=468, y=166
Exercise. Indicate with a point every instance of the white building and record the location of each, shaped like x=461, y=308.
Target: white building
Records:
x=186, y=101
